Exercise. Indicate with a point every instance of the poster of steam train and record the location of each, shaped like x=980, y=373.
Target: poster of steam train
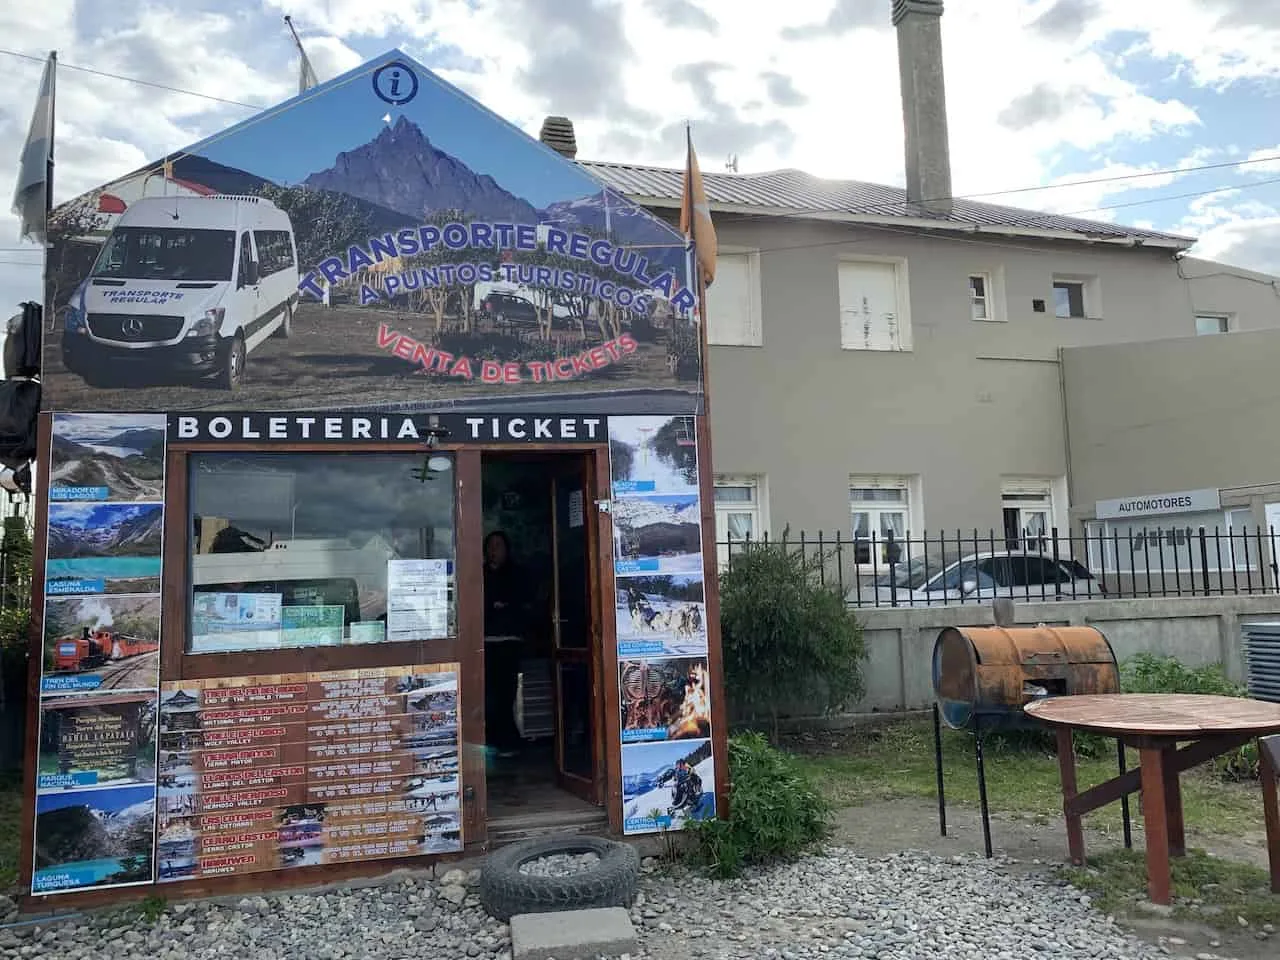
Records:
x=101, y=643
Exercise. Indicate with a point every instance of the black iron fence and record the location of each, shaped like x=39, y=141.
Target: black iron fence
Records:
x=971, y=568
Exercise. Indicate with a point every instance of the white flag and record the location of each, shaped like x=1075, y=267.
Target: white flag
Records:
x=31, y=196
x=306, y=73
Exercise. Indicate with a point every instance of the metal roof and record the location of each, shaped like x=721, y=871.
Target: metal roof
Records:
x=796, y=193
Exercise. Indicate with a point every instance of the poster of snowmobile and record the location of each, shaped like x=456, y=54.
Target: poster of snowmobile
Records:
x=664, y=785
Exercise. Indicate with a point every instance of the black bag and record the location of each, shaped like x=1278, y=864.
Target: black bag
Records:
x=19, y=406
x=22, y=344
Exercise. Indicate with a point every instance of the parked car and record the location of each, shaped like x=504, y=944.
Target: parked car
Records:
x=507, y=308
x=190, y=284
x=1025, y=574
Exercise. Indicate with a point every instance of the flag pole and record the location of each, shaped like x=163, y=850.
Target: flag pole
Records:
x=48, y=175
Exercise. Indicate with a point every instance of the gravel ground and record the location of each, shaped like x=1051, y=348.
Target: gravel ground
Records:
x=905, y=907
x=560, y=864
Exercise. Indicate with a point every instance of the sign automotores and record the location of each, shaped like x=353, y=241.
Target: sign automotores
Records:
x=1163, y=504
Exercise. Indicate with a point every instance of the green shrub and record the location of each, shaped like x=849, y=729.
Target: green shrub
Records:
x=775, y=811
x=786, y=636
x=1147, y=673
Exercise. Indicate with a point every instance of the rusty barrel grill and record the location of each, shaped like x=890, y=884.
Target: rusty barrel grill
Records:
x=984, y=676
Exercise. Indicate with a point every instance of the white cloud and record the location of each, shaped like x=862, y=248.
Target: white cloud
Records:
x=1032, y=85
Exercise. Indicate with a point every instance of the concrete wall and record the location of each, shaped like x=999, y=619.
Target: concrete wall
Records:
x=970, y=403
x=1179, y=414
x=1197, y=631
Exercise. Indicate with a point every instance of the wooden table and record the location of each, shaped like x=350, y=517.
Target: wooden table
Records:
x=1155, y=724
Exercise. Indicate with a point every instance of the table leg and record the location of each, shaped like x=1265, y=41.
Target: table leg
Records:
x=1173, y=805
x=1155, y=817
x=1067, y=771
x=1269, y=757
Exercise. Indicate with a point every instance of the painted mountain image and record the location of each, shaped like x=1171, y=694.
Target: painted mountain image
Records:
x=658, y=534
x=94, y=838
x=105, y=530
x=400, y=170
x=364, y=309
x=107, y=457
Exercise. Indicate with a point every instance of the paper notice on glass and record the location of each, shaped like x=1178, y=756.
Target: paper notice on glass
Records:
x=417, y=599
x=575, y=509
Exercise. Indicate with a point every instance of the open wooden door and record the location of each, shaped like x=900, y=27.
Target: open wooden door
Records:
x=575, y=631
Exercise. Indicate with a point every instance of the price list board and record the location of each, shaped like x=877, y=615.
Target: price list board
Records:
x=296, y=770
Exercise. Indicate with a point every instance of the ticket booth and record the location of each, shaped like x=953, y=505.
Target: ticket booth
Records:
x=373, y=511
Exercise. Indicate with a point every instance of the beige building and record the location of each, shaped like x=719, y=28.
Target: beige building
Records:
x=893, y=360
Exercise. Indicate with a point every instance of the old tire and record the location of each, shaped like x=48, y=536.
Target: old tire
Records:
x=506, y=892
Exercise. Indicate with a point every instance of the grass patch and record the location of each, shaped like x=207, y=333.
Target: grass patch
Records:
x=10, y=829
x=895, y=760
x=1205, y=889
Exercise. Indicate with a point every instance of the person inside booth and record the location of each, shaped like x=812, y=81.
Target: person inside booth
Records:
x=506, y=620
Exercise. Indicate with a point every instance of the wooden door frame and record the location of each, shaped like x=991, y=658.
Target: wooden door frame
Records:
x=606, y=724
x=589, y=654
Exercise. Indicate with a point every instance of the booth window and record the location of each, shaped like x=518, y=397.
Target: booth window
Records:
x=301, y=550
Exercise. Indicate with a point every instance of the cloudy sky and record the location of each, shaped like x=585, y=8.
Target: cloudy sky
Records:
x=1040, y=92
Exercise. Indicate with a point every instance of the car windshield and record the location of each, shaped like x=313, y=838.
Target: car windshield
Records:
x=909, y=575
x=167, y=253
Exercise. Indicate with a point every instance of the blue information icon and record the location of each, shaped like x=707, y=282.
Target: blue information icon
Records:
x=395, y=83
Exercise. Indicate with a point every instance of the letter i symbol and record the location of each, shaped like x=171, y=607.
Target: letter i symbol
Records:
x=395, y=83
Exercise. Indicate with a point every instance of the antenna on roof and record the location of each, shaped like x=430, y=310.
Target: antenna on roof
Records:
x=731, y=164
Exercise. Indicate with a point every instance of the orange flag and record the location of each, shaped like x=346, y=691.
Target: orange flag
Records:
x=695, y=216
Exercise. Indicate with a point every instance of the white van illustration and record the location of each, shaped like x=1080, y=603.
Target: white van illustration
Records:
x=184, y=285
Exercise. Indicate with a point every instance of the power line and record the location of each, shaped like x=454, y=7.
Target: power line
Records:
x=63, y=65
x=1063, y=185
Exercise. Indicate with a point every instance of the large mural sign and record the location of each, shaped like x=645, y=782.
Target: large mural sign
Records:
x=379, y=240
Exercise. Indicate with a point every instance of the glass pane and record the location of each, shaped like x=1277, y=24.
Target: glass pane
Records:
x=893, y=523
x=298, y=550
x=1062, y=300
x=979, y=307
x=735, y=494
x=575, y=719
x=1211, y=325
x=877, y=495
x=861, y=525
x=978, y=287
x=740, y=525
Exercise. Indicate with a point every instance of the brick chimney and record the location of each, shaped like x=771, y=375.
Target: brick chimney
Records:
x=924, y=103
x=557, y=133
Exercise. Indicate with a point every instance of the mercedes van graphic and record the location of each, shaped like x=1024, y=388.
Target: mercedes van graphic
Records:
x=184, y=286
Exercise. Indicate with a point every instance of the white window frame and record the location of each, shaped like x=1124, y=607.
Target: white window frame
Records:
x=1090, y=295
x=993, y=284
x=1224, y=320
x=982, y=301
x=911, y=506
x=754, y=331
x=902, y=294
x=757, y=508
x=1043, y=495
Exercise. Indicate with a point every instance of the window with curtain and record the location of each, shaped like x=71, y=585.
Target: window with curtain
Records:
x=738, y=513
x=879, y=510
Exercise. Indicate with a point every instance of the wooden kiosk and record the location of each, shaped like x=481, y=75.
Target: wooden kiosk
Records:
x=374, y=479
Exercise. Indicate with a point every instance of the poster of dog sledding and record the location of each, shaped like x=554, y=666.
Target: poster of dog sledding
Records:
x=661, y=617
